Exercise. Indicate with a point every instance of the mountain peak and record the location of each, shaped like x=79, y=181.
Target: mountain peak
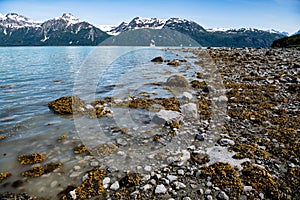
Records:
x=69, y=18
x=14, y=20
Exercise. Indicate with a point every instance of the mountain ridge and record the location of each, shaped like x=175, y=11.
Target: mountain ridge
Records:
x=67, y=29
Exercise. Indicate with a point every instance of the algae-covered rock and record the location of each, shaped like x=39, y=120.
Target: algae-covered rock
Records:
x=31, y=158
x=4, y=175
x=67, y=105
x=92, y=186
x=80, y=149
x=40, y=170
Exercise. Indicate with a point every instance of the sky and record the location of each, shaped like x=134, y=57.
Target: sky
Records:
x=282, y=15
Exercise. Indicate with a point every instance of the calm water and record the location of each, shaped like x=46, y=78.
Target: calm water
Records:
x=33, y=76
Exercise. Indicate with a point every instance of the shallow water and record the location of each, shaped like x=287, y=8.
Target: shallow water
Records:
x=33, y=76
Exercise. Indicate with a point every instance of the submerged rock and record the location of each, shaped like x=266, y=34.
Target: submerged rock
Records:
x=177, y=81
x=189, y=110
x=167, y=116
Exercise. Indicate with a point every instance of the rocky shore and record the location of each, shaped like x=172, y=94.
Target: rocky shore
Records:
x=243, y=134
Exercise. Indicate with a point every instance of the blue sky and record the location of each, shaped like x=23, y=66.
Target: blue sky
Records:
x=283, y=15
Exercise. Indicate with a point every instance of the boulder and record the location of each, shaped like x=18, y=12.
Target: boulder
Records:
x=186, y=96
x=157, y=59
x=67, y=105
x=167, y=116
x=177, y=81
x=189, y=110
x=174, y=62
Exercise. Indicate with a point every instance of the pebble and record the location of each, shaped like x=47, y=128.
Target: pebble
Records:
x=209, y=184
x=73, y=194
x=207, y=191
x=209, y=197
x=115, y=186
x=147, y=168
x=247, y=188
x=94, y=164
x=160, y=189
x=179, y=185
x=222, y=196
x=199, y=137
x=226, y=142
x=180, y=172
x=186, y=198
x=53, y=184
x=106, y=180
x=76, y=168
x=121, y=142
x=172, y=178
x=75, y=174
x=147, y=187
x=146, y=177
x=201, y=191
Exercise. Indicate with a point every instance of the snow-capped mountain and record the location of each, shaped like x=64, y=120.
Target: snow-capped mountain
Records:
x=138, y=23
x=279, y=32
x=64, y=30
x=155, y=23
x=68, y=30
x=13, y=20
x=296, y=33
x=234, y=30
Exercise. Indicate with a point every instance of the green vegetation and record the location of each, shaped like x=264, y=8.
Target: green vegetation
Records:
x=292, y=41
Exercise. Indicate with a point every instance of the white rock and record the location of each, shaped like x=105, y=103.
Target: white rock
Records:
x=160, y=189
x=185, y=157
x=222, y=99
x=187, y=96
x=85, y=177
x=106, y=180
x=146, y=177
x=247, y=188
x=73, y=194
x=226, y=142
x=172, y=178
x=223, y=196
x=94, y=164
x=207, y=191
x=189, y=110
x=179, y=185
x=75, y=174
x=147, y=168
x=76, y=167
x=89, y=107
x=115, y=186
x=147, y=187
x=168, y=116
x=180, y=172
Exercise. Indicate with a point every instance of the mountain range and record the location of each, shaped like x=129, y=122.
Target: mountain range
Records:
x=17, y=30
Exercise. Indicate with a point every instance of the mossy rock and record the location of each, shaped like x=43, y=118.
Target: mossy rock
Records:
x=92, y=186
x=261, y=180
x=40, y=170
x=67, y=105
